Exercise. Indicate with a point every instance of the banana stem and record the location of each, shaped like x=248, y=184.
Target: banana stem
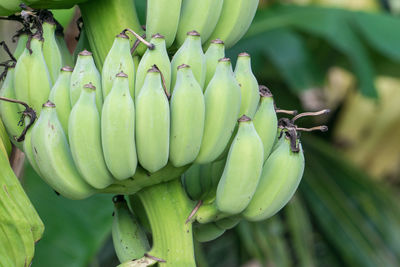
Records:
x=167, y=208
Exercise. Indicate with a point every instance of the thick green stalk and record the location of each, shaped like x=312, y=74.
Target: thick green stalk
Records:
x=103, y=20
x=167, y=207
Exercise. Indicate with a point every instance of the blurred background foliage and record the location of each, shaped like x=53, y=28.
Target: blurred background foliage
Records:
x=312, y=54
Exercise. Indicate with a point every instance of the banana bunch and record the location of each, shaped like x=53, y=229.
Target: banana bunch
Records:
x=130, y=241
x=142, y=115
x=138, y=121
x=224, y=19
x=20, y=225
x=254, y=184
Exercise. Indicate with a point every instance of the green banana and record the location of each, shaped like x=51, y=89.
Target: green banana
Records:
x=32, y=87
x=9, y=112
x=84, y=131
x=83, y=43
x=17, y=194
x=206, y=181
x=248, y=85
x=242, y=170
x=21, y=45
x=157, y=56
x=265, y=121
x=222, y=100
x=136, y=60
x=51, y=51
x=118, y=59
x=192, y=182
x=130, y=241
x=5, y=143
x=236, y=17
x=228, y=223
x=201, y=181
x=206, y=232
x=163, y=18
x=85, y=72
x=118, y=132
x=201, y=16
x=187, y=118
x=152, y=123
x=65, y=54
x=217, y=168
x=210, y=213
x=28, y=150
x=59, y=95
x=53, y=156
x=215, y=52
x=190, y=53
x=279, y=180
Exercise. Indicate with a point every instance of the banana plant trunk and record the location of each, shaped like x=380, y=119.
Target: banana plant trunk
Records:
x=167, y=207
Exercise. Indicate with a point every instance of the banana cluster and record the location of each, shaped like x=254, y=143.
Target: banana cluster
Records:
x=96, y=129
x=224, y=19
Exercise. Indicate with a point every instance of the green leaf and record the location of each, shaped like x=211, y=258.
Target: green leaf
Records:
x=332, y=25
x=381, y=31
x=339, y=211
x=74, y=230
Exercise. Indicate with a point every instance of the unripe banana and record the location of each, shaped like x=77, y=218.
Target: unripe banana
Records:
x=51, y=51
x=157, y=56
x=190, y=53
x=59, y=95
x=192, y=182
x=118, y=129
x=236, y=17
x=53, y=156
x=279, y=180
x=265, y=121
x=21, y=45
x=187, y=118
x=222, y=100
x=5, y=143
x=32, y=81
x=217, y=168
x=85, y=72
x=248, y=85
x=215, y=52
x=130, y=241
x=152, y=123
x=228, y=223
x=163, y=17
x=83, y=44
x=242, y=170
x=9, y=112
x=118, y=59
x=84, y=131
x=201, y=16
x=210, y=213
x=28, y=148
x=65, y=54
x=206, y=232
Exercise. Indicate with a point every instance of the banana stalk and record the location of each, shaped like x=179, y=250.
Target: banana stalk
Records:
x=172, y=237
x=116, y=15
